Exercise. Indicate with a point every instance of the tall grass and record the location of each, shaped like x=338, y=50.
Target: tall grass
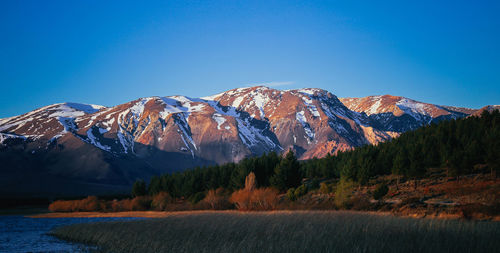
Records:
x=287, y=231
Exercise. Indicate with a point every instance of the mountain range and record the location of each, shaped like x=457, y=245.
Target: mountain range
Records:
x=81, y=149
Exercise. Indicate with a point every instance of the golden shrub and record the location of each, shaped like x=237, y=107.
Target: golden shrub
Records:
x=250, y=182
x=258, y=199
x=241, y=199
x=216, y=199
x=160, y=201
x=89, y=204
x=61, y=206
x=121, y=205
x=264, y=198
x=141, y=203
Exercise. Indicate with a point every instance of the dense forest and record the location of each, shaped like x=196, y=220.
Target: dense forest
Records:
x=459, y=146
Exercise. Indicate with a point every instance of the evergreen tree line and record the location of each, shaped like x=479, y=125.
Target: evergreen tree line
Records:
x=457, y=145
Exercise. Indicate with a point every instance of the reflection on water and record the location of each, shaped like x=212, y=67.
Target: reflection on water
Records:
x=22, y=234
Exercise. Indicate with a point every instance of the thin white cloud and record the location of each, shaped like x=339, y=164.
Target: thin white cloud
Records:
x=271, y=84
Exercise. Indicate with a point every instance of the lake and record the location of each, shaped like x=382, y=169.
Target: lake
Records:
x=23, y=234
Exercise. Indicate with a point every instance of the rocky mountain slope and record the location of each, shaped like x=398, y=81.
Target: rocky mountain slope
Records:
x=400, y=114
x=488, y=108
x=82, y=149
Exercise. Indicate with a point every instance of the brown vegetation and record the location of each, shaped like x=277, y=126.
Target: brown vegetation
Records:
x=89, y=204
x=250, y=182
x=251, y=198
x=472, y=197
x=161, y=201
x=217, y=200
x=258, y=199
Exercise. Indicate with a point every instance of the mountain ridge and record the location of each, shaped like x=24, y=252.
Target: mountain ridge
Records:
x=152, y=135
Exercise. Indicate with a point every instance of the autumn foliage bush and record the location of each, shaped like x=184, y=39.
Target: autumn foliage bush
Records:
x=217, y=199
x=93, y=204
x=121, y=205
x=141, y=203
x=258, y=199
x=160, y=201
x=89, y=204
x=253, y=198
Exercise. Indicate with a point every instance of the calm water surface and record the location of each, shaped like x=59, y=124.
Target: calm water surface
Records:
x=22, y=234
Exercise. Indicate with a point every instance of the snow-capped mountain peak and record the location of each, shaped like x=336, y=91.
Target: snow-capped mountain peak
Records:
x=158, y=134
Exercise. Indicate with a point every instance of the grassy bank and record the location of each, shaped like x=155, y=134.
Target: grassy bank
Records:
x=287, y=231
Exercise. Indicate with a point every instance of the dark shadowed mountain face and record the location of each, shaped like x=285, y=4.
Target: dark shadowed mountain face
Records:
x=71, y=149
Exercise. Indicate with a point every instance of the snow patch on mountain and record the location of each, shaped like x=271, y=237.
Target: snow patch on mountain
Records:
x=249, y=135
x=374, y=109
x=108, y=124
x=86, y=108
x=93, y=140
x=308, y=102
x=4, y=137
x=237, y=101
x=306, y=91
x=310, y=91
x=300, y=116
x=184, y=127
x=187, y=146
x=126, y=140
x=71, y=110
x=61, y=112
x=252, y=136
x=68, y=124
x=219, y=119
x=185, y=132
x=181, y=104
x=137, y=109
x=18, y=123
x=413, y=108
x=259, y=100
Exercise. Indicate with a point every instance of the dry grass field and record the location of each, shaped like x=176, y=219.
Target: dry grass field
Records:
x=286, y=231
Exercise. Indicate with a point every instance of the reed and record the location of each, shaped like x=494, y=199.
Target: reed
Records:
x=286, y=231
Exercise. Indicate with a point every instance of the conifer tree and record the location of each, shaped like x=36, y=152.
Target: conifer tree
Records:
x=400, y=164
x=139, y=188
x=287, y=173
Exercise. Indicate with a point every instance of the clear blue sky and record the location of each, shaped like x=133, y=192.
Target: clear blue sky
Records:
x=111, y=52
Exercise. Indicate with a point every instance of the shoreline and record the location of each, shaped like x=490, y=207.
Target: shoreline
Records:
x=163, y=214
x=132, y=214
x=24, y=211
